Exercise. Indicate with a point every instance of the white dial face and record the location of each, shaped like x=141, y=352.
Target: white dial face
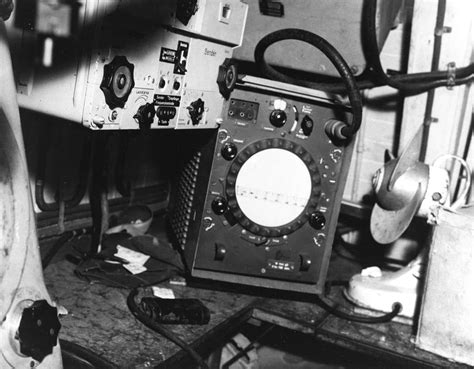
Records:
x=273, y=187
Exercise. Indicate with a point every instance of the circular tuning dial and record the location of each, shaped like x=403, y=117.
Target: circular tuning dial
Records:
x=278, y=118
x=117, y=82
x=272, y=187
x=229, y=151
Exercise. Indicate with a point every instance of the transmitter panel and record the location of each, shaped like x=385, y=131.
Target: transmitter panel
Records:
x=267, y=214
x=156, y=79
x=126, y=64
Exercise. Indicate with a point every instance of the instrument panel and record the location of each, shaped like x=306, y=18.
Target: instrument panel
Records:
x=266, y=215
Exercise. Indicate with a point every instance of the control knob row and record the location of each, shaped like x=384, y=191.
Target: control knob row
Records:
x=278, y=119
x=146, y=113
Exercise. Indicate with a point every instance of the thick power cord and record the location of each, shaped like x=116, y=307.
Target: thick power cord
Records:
x=396, y=309
x=60, y=242
x=144, y=318
x=408, y=84
x=331, y=53
x=76, y=356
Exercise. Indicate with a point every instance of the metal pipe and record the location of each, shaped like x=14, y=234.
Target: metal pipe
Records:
x=434, y=66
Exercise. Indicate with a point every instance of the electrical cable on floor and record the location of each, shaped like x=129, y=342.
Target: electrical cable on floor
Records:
x=396, y=309
x=144, y=318
x=63, y=239
x=246, y=349
x=76, y=355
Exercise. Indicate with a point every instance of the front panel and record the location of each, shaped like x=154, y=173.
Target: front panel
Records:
x=125, y=64
x=150, y=77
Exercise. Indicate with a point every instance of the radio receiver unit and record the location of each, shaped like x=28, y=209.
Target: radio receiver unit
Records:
x=267, y=213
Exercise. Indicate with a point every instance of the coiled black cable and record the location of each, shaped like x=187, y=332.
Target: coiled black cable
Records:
x=144, y=318
x=331, y=53
x=60, y=242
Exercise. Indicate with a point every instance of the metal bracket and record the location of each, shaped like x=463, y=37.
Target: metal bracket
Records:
x=440, y=31
x=451, y=75
x=271, y=8
x=428, y=121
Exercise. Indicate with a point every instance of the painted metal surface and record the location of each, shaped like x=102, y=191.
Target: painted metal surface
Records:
x=446, y=323
x=21, y=279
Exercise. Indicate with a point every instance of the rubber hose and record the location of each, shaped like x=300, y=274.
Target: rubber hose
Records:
x=410, y=84
x=416, y=82
x=143, y=318
x=331, y=53
x=82, y=357
x=397, y=308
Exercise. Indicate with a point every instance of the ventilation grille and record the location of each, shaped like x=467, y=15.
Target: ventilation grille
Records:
x=186, y=188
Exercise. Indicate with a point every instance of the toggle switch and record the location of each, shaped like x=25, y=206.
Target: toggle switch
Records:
x=307, y=125
x=305, y=262
x=220, y=251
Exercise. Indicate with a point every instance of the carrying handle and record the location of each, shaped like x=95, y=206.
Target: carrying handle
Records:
x=461, y=198
x=271, y=8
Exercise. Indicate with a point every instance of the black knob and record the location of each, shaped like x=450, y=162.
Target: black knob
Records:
x=145, y=115
x=117, y=82
x=307, y=125
x=196, y=111
x=176, y=85
x=227, y=77
x=229, y=151
x=219, y=205
x=317, y=220
x=38, y=330
x=278, y=118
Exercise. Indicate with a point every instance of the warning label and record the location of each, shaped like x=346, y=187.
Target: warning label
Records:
x=167, y=55
x=167, y=100
x=177, y=57
x=307, y=109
